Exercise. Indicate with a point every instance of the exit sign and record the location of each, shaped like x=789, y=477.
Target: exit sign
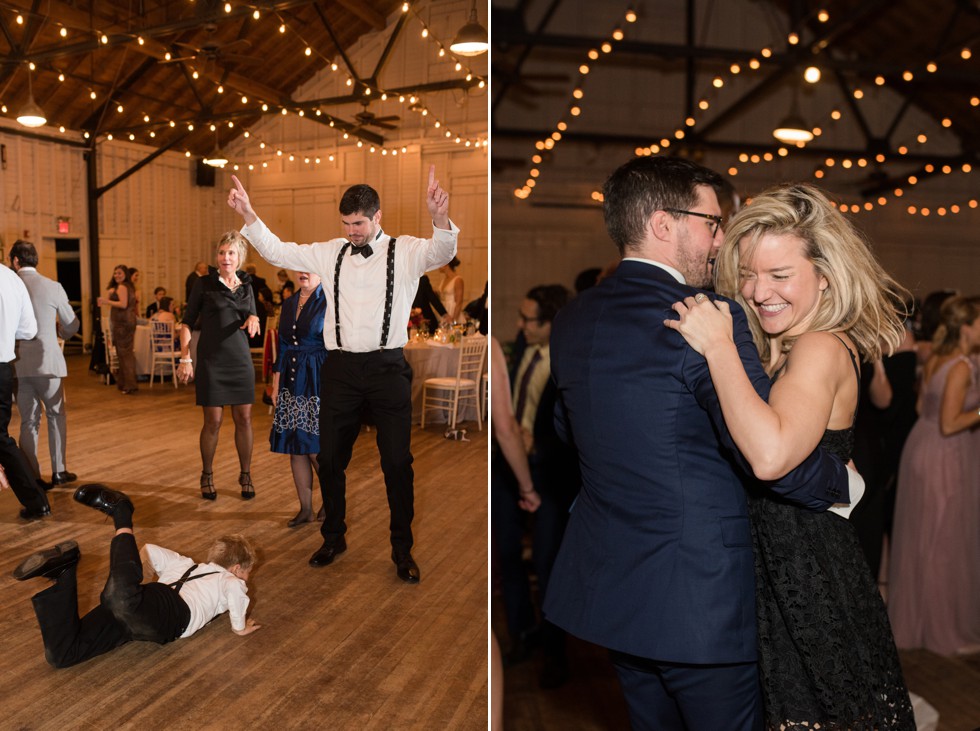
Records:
x=64, y=224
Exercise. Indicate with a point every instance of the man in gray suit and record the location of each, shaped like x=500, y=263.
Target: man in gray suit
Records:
x=40, y=365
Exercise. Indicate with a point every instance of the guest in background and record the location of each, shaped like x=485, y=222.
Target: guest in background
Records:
x=17, y=322
x=121, y=298
x=265, y=308
x=257, y=282
x=158, y=294
x=451, y=291
x=200, y=270
x=296, y=388
x=934, y=574
x=428, y=301
x=927, y=320
x=587, y=278
x=225, y=374
x=40, y=366
x=886, y=413
x=554, y=472
x=287, y=291
x=283, y=276
x=165, y=311
x=134, y=277
x=477, y=310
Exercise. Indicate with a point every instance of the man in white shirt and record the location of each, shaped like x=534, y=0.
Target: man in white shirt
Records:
x=40, y=365
x=369, y=280
x=17, y=322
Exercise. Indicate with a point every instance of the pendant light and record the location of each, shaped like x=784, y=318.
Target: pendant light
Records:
x=217, y=158
x=31, y=115
x=472, y=39
x=793, y=128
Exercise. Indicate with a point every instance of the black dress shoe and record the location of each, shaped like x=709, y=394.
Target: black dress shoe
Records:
x=42, y=484
x=406, y=568
x=102, y=498
x=63, y=478
x=31, y=514
x=328, y=552
x=50, y=562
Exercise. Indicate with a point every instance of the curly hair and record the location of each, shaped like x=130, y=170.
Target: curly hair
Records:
x=861, y=300
x=234, y=549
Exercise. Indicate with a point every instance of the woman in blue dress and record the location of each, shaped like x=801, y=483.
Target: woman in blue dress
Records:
x=296, y=388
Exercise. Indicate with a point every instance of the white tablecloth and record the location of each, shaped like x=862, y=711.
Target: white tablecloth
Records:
x=429, y=360
x=143, y=350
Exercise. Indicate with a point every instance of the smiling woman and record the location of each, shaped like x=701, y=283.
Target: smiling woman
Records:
x=815, y=298
x=223, y=303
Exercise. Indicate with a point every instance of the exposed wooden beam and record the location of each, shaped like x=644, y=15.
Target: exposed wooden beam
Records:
x=359, y=8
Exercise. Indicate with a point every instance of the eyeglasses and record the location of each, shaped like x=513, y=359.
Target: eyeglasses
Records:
x=716, y=221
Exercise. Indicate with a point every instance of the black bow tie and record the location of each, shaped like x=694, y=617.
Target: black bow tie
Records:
x=364, y=251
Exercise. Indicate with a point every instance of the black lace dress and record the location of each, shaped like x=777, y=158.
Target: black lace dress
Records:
x=826, y=652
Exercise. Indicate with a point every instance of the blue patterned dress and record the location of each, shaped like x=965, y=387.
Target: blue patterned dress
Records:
x=296, y=423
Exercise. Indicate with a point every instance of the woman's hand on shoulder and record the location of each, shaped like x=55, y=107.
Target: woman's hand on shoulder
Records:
x=703, y=323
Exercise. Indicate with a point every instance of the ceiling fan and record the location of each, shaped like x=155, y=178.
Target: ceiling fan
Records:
x=367, y=117
x=210, y=51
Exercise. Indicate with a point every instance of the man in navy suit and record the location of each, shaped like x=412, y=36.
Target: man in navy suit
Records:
x=656, y=563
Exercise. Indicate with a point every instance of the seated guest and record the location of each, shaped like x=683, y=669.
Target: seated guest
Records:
x=158, y=294
x=428, y=301
x=165, y=313
x=185, y=597
x=284, y=281
x=477, y=310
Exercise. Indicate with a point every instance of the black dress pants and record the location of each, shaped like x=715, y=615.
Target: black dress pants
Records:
x=14, y=463
x=381, y=381
x=128, y=610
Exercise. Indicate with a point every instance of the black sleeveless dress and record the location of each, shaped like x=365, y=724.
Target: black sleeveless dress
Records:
x=826, y=651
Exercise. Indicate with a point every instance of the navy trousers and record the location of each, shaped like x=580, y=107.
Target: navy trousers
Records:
x=665, y=696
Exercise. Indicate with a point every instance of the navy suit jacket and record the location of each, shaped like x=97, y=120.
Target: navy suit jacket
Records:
x=657, y=556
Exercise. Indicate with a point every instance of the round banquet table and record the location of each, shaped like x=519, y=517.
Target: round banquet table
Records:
x=433, y=360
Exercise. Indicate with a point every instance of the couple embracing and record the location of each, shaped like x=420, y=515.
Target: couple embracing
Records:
x=704, y=549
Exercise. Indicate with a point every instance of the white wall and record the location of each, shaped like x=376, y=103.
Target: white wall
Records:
x=160, y=222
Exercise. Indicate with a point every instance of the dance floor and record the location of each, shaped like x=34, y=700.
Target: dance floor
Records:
x=348, y=646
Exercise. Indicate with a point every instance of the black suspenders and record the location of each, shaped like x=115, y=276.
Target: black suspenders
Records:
x=389, y=291
x=187, y=577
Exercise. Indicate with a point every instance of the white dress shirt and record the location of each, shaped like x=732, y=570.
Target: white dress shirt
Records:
x=17, y=320
x=206, y=597
x=362, y=280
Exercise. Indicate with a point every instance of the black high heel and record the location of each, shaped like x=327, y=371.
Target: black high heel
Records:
x=207, y=486
x=248, y=489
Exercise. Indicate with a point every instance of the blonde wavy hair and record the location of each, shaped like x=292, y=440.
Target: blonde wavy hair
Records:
x=228, y=550
x=861, y=300
x=236, y=240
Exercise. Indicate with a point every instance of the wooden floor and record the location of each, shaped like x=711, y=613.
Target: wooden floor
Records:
x=592, y=699
x=347, y=647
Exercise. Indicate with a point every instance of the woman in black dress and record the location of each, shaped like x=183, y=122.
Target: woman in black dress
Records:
x=121, y=297
x=815, y=299
x=223, y=302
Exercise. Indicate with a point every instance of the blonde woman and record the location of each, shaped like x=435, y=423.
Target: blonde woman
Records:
x=225, y=376
x=816, y=301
